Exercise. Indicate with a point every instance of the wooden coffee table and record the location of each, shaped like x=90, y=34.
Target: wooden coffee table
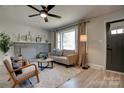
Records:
x=48, y=62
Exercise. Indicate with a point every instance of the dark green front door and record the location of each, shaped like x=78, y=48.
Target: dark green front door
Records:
x=115, y=51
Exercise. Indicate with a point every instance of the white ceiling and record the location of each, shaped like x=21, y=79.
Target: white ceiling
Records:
x=69, y=13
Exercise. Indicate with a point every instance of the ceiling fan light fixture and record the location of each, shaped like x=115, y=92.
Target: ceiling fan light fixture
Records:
x=44, y=12
x=43, y=15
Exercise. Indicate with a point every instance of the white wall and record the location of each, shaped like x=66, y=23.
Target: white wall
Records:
x=13, y=29
x=97, y=38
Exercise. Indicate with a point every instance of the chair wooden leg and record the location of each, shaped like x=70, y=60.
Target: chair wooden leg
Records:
x=37, y=78
x=14, y=85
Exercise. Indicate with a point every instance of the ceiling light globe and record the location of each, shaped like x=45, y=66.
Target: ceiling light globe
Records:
x=43, y=15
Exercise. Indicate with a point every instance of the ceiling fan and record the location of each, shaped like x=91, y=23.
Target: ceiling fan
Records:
x=44, y=12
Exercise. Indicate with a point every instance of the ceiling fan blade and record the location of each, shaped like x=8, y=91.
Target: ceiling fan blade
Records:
x=33, y=15
x=33, y=8
x=46, y=20
x=49, y=7
x=43, y=7
x=53, y=15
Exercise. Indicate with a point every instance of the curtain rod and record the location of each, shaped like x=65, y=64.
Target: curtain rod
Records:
x=71, y=25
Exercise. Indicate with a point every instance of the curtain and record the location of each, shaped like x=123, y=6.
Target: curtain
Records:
x=81, y=45
x=54, y=34
x=53, y=40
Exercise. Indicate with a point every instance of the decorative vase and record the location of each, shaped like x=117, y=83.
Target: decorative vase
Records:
x=38, y=39
x=29, y=38
x=14, y=38
x=46, y=41
x=19, y=37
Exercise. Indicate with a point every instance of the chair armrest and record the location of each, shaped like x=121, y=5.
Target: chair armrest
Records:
x=25, y=67
x=72, y=58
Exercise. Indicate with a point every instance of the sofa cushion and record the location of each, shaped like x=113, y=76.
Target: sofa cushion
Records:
x=67, y=52
x=26, y=75
x=61, y=59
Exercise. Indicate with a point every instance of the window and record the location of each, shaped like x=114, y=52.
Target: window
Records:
x=66, y=39
x=113, y=32
x=117, y=31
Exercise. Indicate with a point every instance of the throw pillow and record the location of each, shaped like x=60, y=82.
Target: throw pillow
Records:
x=53, y=52
x=59, y=52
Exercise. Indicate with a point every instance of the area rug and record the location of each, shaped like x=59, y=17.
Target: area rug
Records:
x=49, y=78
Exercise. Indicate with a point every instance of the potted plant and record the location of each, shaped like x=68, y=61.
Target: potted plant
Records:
x=5, y=42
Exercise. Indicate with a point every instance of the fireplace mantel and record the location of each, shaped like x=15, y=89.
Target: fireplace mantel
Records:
x=23, y=42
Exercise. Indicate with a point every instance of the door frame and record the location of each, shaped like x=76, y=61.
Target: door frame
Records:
x=107, y=30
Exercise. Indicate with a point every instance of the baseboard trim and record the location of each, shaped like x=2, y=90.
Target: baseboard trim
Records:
x=97, y=66
x=121, y=73
x=104, y=68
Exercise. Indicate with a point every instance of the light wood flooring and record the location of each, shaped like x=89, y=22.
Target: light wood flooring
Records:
x=93, y=78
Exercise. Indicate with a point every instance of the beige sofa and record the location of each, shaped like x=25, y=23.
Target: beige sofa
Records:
x=67, y=57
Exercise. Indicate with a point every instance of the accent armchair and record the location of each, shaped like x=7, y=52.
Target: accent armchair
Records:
x=30, y=70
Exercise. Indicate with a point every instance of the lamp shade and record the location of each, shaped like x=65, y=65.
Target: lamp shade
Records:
x=83, y=38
